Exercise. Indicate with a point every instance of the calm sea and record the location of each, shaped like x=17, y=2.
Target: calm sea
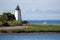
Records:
x=31, y=37
x=49, y=22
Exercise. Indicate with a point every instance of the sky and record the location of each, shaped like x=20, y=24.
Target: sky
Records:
x=33, y=9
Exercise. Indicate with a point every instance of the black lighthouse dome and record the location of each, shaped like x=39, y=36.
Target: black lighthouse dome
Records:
x=17, y=8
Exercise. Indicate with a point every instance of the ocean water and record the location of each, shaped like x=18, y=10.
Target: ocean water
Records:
x=48, y=22
x=30, y=37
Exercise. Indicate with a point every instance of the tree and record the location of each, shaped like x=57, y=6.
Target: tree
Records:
x=7, y=17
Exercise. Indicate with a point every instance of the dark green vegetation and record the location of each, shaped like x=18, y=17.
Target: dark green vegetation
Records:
x=36, y=29
x=10, y=23
x=3, y=31
x=8, y=19
x=25, y=22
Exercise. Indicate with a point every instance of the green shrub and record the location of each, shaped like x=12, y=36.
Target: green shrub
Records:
x=14, y=23
x=3, y=31
x=1, y=24
x=25, y=22
x=5, y=24
x=10, y=23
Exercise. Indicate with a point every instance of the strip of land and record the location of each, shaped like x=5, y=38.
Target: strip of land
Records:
x=30, y=29
x=13, y=27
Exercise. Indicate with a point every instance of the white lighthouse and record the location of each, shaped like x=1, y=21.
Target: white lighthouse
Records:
x=18, y=14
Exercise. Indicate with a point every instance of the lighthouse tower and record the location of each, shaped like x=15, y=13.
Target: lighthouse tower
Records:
x=18, y=14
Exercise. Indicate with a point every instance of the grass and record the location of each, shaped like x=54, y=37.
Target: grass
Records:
x=42, y=28
x=37, y=28
x=3, y=31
